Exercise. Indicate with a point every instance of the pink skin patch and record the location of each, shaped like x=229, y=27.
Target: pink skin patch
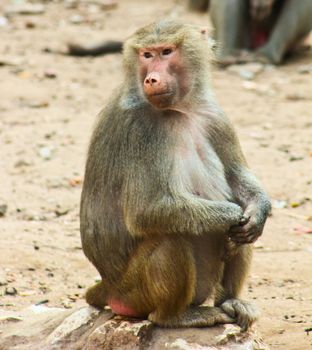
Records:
x=259, y=38
x=119, y=308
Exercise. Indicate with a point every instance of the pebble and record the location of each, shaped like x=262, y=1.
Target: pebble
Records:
x=27, y=293
x=11, y=61
x=279, y=204
x=38, y=104
x=25, y=9
x=46, y=153
x=33, y=216
x=30, y=24
x=76, y=181
x=296, y=97
x=305, y=69
x=253, y=86
x=3, y=21
x=246, y=71
x=61, y=210
x=22, y=163
x=294, y=158
x=10, y=291
x=76, y=19
x=3, y=209
x=56, y=183
x=3, y=281
x=44, y=301
x=107, y=4
x=51, y=74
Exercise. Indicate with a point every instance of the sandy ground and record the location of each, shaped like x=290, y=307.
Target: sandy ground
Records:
x=48, y=106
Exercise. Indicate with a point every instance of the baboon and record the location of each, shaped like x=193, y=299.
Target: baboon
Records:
x=267, y=28
x=169, y=208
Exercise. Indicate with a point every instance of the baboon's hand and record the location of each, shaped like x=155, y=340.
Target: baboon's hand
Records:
x=234, y=214
x=250, y=227
x=260, y=9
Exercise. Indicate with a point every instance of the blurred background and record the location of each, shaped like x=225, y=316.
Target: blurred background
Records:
x=48, y=105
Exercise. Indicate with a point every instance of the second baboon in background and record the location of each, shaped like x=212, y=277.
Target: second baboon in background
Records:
x=269, y=28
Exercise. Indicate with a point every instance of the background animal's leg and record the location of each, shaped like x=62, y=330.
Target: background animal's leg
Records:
x=293, y=24
x=230, y=20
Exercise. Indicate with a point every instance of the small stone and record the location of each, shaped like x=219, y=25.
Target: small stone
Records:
x=46, y=153
x=295, y=96
x=41, y=302
x=30, y=24
x=22, y=163
x=76, y=19
x=294, y=158
x=27, y=293
x=3, y=281
x=97, y=278
x=38, y=104
x=32, y=216
x=246, y=71
x=245, y=74
x=3, y=21
x=258, y=135
x=55, y=183
x=10, y=291
x=25, y=9
x=253, y=86
x=11, y=61
x=267, y=126
x=51, y=74
x=67, y=305
x=305, y=69
x=76, y=181
x=279, y=204
x=61, y=210
x=295, y=204
x=108, y=4
x=71, y=4
x=3, y=209
x=254, y=67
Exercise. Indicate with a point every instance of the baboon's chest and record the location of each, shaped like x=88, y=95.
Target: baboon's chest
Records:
x=200, y=169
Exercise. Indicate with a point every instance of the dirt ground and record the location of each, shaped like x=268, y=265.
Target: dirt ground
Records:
x=48, y=106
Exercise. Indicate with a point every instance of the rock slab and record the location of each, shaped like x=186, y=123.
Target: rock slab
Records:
x=44, y=328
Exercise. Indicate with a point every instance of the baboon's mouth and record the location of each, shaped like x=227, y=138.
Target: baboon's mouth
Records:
x=161, y=94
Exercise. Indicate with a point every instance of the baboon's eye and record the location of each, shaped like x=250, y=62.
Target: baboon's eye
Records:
x=167, y=52
x=147, y=54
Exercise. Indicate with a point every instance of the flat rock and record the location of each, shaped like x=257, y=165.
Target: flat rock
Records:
x=25, y=9
x=41, y=327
